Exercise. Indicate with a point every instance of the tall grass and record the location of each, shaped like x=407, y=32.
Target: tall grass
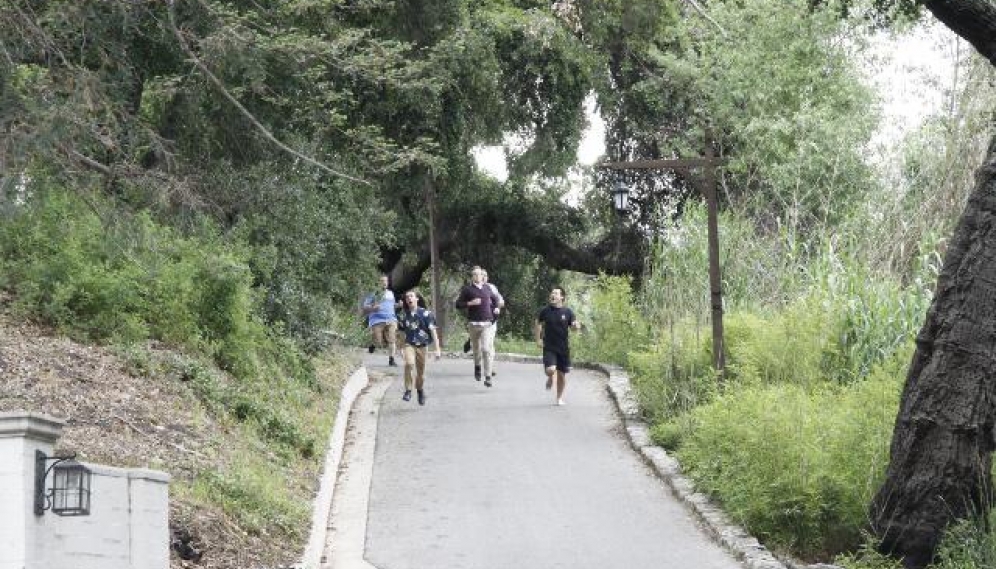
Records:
x=797, y=464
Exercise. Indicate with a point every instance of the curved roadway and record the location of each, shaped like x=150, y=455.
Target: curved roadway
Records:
x=502, y=478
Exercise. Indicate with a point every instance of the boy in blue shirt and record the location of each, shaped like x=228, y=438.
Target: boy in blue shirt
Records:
x=381, y=320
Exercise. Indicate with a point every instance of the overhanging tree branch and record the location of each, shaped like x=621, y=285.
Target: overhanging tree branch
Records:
x=973, y=20
x=245, y=112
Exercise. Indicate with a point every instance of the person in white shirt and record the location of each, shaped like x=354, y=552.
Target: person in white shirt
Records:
x=497, y=310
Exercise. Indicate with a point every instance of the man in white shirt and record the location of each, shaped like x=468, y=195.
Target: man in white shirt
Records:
x=498, y=308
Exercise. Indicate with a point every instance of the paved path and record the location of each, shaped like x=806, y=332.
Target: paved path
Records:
x=501, y=478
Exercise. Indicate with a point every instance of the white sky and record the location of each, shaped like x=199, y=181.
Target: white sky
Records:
x=491, y=159
x=914, y=75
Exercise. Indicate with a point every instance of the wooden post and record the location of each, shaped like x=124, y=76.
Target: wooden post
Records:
x=706, y=183
x=437, y=305
x=715, y=282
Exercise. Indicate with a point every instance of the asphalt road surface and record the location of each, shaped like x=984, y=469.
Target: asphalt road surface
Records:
x=502, y=478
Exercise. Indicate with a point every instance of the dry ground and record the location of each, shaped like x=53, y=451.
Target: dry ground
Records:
x=115, y=416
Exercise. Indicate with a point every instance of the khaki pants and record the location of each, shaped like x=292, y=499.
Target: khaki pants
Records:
x=414, y=364
x=482, y=340
x=384, y=334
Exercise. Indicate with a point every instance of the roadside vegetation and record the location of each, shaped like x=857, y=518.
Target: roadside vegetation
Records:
x=218, y=250
x=181, y=313
x=822, y=304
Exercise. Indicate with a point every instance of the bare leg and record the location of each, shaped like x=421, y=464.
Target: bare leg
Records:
x=549, y=376
x=561, y=384
x=391, y=338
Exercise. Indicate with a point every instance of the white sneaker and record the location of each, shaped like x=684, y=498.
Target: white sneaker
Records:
x=561, y=401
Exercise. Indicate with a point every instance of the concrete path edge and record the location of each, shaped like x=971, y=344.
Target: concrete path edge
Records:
x=322, y=505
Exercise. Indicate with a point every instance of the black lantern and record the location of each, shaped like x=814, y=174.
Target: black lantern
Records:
x=620, y=196
x=70, y=491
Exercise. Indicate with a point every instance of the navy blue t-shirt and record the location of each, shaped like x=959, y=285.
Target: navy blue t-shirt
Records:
x=417, y=327
x=556, y=324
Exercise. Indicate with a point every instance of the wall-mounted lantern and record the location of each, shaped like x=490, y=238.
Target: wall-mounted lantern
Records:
x=69, y=494
x=620, y=196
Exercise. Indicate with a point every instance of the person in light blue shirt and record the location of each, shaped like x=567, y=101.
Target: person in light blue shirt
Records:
x=382, y=322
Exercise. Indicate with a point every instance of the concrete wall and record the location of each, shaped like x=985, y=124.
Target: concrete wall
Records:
x=129, y=510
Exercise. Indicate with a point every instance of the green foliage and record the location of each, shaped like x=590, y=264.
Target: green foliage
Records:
x=779, y=90
x=796, y=466
x=867, y=557
x=870, y=317
x=968, y=544
x=614, y=325
x=130, y=279
x=250, y=493
x=675, y=374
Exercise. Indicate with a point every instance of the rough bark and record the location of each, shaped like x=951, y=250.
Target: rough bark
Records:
x=940, y=462
x=973, y=20
x=941, y=453
x=617, y=253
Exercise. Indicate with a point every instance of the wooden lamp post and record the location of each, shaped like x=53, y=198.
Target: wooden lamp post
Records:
x=705, y=181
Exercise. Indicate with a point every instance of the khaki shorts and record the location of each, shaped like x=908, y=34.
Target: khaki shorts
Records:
x=384, y=334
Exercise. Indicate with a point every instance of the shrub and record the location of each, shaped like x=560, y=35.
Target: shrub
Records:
x=673, y=376
x=796, y=466
x=614, y=326
x=129, y=279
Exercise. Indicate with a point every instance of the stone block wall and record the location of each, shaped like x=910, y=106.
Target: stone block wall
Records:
x=129, y=510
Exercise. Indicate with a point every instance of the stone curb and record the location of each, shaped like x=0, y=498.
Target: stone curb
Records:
x=322, y=505
x=733, y=537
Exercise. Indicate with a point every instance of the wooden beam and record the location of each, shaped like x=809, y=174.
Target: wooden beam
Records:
x=706, y=183
x=669, y=164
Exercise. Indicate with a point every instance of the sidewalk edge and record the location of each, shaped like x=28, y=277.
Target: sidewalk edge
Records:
x=745, y=547
x=322, y=504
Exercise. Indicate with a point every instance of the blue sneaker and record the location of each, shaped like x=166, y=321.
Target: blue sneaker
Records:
x=408, y=395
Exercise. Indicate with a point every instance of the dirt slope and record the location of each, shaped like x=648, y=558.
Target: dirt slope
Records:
x=120, y=418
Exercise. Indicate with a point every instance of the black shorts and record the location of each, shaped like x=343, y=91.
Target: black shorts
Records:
x=559, y=360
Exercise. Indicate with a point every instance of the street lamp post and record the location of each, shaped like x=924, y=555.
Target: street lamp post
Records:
x=437, y=303
x=620, y=197
x=706, y=184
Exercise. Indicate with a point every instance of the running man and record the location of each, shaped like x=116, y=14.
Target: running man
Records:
x=552, y=327
x=379, y=308
x=480, y=303
x=419, y=327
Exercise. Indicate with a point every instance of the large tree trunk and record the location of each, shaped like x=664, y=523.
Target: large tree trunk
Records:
x=940, y=462
x=941, y=454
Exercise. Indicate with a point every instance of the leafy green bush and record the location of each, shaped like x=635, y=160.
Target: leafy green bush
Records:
x=674, y=375
x=129, y=279
x=781, y=347
x=614, y=326
x=870, y=316
x=797, y=465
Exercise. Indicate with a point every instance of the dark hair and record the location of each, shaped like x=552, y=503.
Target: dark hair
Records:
x=420, y=300
x=563, y=293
